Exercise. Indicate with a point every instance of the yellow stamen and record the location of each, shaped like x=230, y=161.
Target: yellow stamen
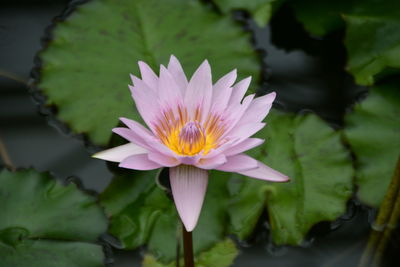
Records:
x=189, y=137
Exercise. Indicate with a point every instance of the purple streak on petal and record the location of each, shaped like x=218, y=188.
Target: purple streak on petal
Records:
x=212, y=162
x=119, y=153
x=175, y=68
x=240, y=162
x=258, y=109
x=239, y=90
x=168, y=91
x=148, y=76
x=139, y=162
x=266, y=173
x=243, y=146
x=222, y=92
x=189, y=185
x=199, y=90
x=163, y=160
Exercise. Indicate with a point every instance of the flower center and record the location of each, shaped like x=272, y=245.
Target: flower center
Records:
x=191, y=139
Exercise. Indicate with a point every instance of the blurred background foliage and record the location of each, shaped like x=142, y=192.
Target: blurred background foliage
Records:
x=335, y=129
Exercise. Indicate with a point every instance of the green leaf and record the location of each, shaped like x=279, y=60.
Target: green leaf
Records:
x=221, y=254
x=261, y=10
x=372, y=36
x=320, y=168
x=303, y=147
x=373, y=132
x=85, y=67
x=45, y=224
x=373, y=39
x=141, y=213
x=321, y=17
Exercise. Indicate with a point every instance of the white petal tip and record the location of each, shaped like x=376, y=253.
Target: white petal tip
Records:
x=189, y=227
x=103, y=156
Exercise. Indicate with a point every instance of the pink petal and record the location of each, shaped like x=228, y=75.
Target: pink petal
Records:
x=222, y=91
x=119, y=153
x=239, y=90
x=148, y=75
x=246, y=130
x=236, y=112
x=240, y=162
x=211, y=162
x=131, y=136
x=137, y=128
x=139, y=162
x=266, y=173
x=258, y=109
x=175, y=68
x=156, y=145
x=199, y=90
x=189, y=160
x=163, y=160
x=145, y=100
x=188, y=186
x=243, y=146
x=168, y=91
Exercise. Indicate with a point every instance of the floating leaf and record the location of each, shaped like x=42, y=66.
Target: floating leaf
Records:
x=85, y=67
x=221, y=254
x=45, y=224
x=141, y=213
x=373, y=39
x=321, y=17
x=320, y=168
x=373, y=132
x=303, y=147
x=261, y=10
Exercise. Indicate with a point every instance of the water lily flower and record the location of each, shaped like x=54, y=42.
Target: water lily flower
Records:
x=192, y=127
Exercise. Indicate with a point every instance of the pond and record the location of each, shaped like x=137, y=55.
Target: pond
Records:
x=308, y=72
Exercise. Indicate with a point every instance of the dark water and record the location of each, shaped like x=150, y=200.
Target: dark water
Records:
x=307, y=73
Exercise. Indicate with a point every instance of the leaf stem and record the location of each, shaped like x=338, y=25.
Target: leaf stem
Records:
x=187, y=247
x=392, y=223
x=389, y=213
x=6, y=158
x=178, y=245
x=12, y=76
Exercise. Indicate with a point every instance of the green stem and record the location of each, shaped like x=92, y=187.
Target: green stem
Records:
x=6, y=158
x=178, y=245
x=187, y=247
x=392, y=223
x=385, y=215
x=12, y=76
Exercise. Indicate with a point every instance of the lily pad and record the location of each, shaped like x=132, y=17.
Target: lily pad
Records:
x=141, y=213
x=85, y=66
x=312, y=155
x=261, y=10
x=303, y=147
x=373, y=39
x=46, y=224
x=220, y=255
x=321, y=17
x=373, y=132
